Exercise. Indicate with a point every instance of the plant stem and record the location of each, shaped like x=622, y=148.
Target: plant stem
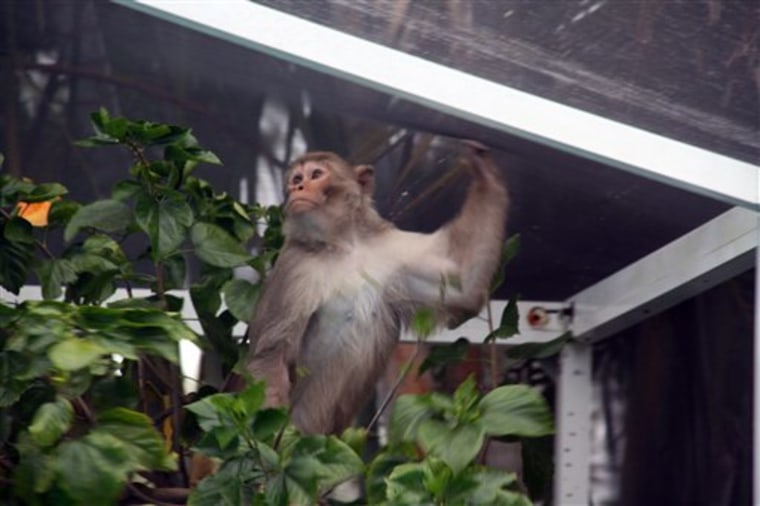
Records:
x=494, y=359
x=399, y=380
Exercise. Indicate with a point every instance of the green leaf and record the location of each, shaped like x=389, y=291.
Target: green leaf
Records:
x=175, y=269
x=51, y=421
x=445, y=354
x=15, y=259
x=377, y=476
x=408, y=412
x=216, y=247
x=241, y=297
x=227, y=487
x=355, y=438
x=481, y=486
x=211, y=411
x=317, y=464
x=94, y=469
x=143, y=444
x=75, y=353
x=165, y=221
x=104, y=215
x=61, y=212
x=456, y=446
x=268, y=422
x=510, y=321
x=517, y=410
x=19, y=230
x=45, y=191
x=35, y=473
x=423, y=322
x=114, y=391
x=53, y=274
x=405, y=485
x=466, y=397
x=539, y=350
x=508, y=253
x=206, y=294
x=125, y=190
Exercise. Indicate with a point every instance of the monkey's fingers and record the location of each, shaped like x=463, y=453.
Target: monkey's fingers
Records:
x=477, y=148
x=481, y=164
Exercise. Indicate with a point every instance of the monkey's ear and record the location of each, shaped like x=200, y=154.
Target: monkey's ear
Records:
x=365, y=175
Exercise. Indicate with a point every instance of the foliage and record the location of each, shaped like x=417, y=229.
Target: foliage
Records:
x=263, y=460
x=451, y=432
x=85, y=380
x=90, y=406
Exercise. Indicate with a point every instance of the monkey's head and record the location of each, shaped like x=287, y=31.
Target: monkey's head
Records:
x=324, y=192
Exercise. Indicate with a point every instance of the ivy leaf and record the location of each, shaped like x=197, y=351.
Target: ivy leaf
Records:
x=104, y=215
x=51, y=421
x=216, y=247
x=517, y=410
x=240, y=297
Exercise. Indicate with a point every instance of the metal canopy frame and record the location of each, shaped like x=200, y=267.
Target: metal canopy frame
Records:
x=439, y=87
x=708, y=255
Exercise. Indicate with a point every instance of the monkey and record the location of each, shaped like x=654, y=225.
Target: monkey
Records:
x=347, y=281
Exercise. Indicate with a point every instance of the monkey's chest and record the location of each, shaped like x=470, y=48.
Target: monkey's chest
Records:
x=351, y=320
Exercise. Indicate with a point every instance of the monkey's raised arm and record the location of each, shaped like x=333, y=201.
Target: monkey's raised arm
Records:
x=462, y=256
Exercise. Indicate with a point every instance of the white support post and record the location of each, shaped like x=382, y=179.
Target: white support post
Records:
x=572, y=459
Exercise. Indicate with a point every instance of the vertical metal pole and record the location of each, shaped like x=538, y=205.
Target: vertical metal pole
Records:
x=573, y=444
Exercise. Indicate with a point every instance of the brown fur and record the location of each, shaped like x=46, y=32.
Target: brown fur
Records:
x=347, y=281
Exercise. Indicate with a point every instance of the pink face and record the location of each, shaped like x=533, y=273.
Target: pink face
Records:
x=307, y=187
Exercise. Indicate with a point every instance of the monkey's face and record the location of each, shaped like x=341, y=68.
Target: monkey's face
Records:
x=308, y=185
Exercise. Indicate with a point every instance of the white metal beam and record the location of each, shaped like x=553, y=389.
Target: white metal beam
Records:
x=700, y=259
x=464, y=95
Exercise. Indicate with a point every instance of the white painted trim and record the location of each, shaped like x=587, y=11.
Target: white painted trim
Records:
x=700, y=259
x=465, y=96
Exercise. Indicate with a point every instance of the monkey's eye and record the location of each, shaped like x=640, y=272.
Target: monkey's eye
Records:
x=317, y=173
x=297, y=179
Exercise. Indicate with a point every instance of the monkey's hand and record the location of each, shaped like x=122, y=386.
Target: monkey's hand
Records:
x=481, y=164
